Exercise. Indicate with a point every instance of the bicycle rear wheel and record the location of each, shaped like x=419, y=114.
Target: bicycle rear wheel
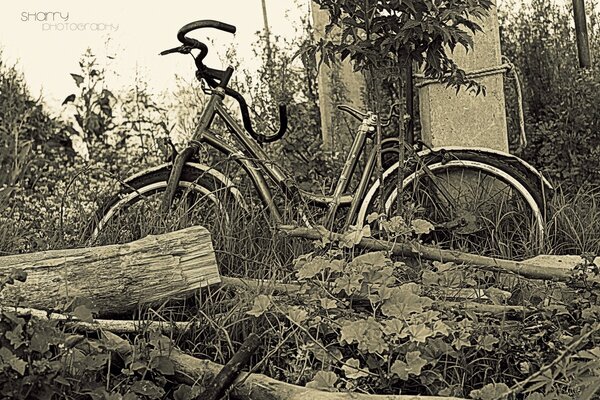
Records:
x=474, y=205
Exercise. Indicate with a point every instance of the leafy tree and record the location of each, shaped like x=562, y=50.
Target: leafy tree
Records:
x=394, y=33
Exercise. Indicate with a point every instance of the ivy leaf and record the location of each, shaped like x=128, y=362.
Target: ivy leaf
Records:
x=261, y=304
x=405, y=301
x=418, y=333
x=15, y=336
x=313, y=267
x=486, y=342
x=328, y=304
x=393, y=326
x=297, y=315
x=367, y=333
x=7, y=357
x=462, y=340
x=327, y=355
x=396, y=225
x=421, y=226
x=148, y=388
x=352, y=369
x=441, y=327
x=374, y=217
x=349, y=283
x=413, y=365
x=323, y=380
x=491, y=391
x=372, y=259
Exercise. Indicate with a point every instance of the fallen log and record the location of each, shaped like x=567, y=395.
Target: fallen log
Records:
x=413, y=249
x=112, y=325
x=116, y=278
x=269, y=286
x=249, y=386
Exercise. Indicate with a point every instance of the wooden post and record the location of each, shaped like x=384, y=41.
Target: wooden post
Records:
x=583, y=44
x=115, y=278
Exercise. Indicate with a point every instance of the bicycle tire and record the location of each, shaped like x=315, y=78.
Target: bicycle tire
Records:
x=204, y=188
x=491, y=236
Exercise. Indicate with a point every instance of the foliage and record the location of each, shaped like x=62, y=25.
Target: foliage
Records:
x=383, y=34
x=562, y=101
x=42, y=359
x=373, y=324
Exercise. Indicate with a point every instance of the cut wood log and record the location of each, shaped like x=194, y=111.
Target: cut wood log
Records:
x=113, y=325
x=116, y=278
x=412, y=249
x=193, y=371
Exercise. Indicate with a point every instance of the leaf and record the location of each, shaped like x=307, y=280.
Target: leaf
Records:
x=83, y=313
x=297, y=315
x=413, y=365
x=441, y=327
x=354, y=236
x=163, y=364
x=374, y=217
x=418, y=333
x=323, y=380
x=367, y=333
x=328, y=304
x=421, y=226
x=311, y=268
x=349, y=283
x=352, y=369
x=486, y=342
x=15, y=336
x=78, y=79
x=491, y=391
x=405, y=301
x=147, y=388
x=260, y=306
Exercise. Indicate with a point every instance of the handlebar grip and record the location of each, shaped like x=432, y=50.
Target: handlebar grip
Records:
x=204, y=23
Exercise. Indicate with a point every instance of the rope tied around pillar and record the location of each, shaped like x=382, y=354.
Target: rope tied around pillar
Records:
x=507, y=67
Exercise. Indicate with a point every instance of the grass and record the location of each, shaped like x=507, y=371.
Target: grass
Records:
x=247, y=245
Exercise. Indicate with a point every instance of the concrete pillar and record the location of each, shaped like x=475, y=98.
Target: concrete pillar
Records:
x=448, y=119
x=338, y=84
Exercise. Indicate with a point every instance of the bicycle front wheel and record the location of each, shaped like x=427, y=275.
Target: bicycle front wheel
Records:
x=473, y=205
x=136, y=209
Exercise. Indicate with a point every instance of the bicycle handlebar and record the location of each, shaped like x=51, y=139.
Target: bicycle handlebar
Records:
x=211, y=76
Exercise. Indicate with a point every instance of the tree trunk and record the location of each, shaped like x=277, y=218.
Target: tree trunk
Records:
x=115, y=278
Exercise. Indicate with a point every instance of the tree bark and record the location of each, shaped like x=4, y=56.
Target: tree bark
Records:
x=115, y=278
x=413, y=249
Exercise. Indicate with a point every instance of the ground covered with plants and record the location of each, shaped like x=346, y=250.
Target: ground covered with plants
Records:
x=360, y=321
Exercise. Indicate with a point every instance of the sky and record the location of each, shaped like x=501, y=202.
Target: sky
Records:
x=47, y=38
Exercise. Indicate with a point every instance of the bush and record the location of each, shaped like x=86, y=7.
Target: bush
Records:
x=562, y=101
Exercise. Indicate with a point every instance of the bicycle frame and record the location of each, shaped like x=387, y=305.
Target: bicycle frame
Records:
x=254, y=161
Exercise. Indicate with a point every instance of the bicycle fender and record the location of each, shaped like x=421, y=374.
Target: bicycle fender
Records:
x=523, y=166
x=204, y=169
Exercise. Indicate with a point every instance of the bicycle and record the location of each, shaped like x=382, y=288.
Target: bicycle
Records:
x=469, y=194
